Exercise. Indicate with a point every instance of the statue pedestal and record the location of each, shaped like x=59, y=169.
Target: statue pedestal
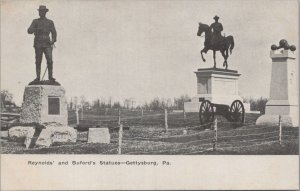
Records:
x=44, y=104
x=284, y=92
x=219, y=86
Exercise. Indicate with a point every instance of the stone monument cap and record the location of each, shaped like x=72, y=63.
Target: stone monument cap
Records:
x=282, y=54
x=209, y=71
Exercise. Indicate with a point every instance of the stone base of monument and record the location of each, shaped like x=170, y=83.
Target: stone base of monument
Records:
x=273, y=120
x=219, y=86
x=274, y=108
x=56, y=134
x=33, y=136
x=46, y=107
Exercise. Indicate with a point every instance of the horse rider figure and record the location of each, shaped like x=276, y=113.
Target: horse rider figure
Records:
x=216, y=28
x=215, y=41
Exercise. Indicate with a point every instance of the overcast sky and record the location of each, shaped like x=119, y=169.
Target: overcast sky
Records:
x=143, y=49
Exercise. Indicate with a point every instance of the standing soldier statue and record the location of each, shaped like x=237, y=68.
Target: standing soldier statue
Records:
x=41, y=28
x=217, y=28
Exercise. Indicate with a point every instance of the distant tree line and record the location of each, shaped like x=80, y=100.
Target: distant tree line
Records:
x=156, y=104
x=177, y=103
x=129, y=103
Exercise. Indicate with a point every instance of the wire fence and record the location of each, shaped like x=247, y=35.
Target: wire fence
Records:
x=84, y=119
x=8, y=119
x=206, y=141
x=187, y=140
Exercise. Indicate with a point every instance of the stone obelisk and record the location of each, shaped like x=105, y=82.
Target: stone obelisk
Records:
x=284, y=88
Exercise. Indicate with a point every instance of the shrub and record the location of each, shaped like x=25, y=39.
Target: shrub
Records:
x=258, y=104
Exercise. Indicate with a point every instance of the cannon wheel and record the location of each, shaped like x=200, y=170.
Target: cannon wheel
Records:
x=237, y=111
x=206, y=112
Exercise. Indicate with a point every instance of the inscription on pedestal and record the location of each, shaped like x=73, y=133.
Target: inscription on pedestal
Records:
x=60, y=137
x=53, y=106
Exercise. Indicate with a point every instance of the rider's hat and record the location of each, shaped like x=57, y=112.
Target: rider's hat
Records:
x=216, y=17
x=42, y=8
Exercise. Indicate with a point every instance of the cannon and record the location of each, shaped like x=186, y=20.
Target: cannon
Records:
x=233, y=113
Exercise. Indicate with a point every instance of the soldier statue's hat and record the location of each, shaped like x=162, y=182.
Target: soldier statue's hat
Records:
x=43, y=7
x=216, y=17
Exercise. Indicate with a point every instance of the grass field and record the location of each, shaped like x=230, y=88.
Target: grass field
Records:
x=147, y=136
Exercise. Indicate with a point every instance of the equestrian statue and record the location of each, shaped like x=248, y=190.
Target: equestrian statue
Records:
x=215, y=41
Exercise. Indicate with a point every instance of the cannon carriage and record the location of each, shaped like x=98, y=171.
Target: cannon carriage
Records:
x=233, y=113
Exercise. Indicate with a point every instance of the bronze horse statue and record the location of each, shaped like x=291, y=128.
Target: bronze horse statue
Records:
x=222, y=45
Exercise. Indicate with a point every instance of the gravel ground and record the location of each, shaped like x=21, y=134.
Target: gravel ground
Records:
x=188, y=140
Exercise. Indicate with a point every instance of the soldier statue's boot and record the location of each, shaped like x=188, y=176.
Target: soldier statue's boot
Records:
x=50, y=73
x=38, y=73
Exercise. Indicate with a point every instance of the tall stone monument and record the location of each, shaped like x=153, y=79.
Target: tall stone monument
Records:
x=284, y=88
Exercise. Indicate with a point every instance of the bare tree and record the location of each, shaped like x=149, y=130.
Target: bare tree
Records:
x=179, y=102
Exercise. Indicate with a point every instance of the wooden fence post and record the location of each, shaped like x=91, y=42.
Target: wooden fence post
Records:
x=184, y=115
x=142, y=114
x=280, y=130
x=81, y=113
x=105, y=111
x=166, y=120
x=77, y=116
x=215, y=134
x=120, y=139
x=119, y=119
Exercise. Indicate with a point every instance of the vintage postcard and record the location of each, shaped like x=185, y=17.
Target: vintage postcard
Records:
x=149, y=95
